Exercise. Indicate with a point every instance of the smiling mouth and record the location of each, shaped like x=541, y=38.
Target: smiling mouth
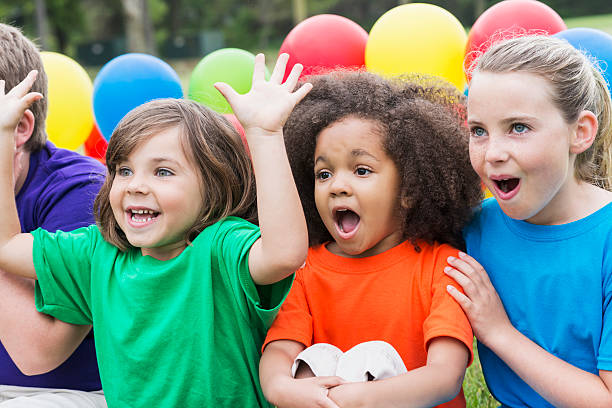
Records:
x=346, y=220
x=142, y=216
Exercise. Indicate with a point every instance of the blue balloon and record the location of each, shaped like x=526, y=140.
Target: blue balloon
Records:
x=128, y=81
x=595, y=43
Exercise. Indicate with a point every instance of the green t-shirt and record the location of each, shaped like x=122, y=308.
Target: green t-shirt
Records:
x=179, y=333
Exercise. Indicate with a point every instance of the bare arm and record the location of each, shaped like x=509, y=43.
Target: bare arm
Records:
x=436, y=382
x=36, y=342
x=560, y=383
x=284, y=391
x=263, y=111
x=15, y=248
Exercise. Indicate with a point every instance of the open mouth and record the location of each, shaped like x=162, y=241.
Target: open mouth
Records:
x=346, y=220
x=507, y=185
x=142, y=216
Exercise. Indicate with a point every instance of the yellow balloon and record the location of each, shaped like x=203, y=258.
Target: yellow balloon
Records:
x=69, y=96
x=418, y=37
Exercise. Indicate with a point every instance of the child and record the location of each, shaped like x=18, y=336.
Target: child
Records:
x=540, y=120
x=382, y=171
x=179, y=290
x=54, y=189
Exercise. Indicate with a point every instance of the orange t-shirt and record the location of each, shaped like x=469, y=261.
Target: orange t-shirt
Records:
x=398, y=296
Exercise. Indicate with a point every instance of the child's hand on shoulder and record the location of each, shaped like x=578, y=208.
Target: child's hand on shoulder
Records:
x=266, y=107
x=481, y=303
x=15, y=102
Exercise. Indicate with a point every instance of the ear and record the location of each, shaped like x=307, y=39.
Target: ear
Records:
x=24, y=128
x=584, y=132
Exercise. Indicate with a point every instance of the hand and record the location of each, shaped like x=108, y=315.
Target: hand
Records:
x=481, y=303
x=15, y=102
x=268, y=104
x=349, y=394
x=308, y=392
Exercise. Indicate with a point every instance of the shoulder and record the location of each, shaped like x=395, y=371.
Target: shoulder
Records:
x=68, y=164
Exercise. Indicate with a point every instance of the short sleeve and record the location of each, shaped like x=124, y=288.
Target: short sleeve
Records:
x=294, y=321
x=234, y=240
x=63, y=269
x=446, y=318
x=604, y=357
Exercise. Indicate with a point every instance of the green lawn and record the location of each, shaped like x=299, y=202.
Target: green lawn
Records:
x=601, y=22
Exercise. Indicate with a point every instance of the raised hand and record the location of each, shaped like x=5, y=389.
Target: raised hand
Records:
x=268, y=104
x=14, y=103
x=481, y=303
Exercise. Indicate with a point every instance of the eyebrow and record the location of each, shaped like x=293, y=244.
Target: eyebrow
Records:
x=509, y=120
x=354, y=153
x=165, y=159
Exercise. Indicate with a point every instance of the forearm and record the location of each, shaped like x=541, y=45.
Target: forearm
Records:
x=560, y=383
x=36, y=342
x=275, y=369
x=284, y=236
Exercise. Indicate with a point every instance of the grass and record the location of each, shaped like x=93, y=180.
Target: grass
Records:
x=601, y=22
x=476, y=392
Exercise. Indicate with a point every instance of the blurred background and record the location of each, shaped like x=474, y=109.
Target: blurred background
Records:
x=181, y=32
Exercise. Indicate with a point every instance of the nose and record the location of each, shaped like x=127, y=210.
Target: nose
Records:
x=137, y=184
x=341, y=185
x=496, y=150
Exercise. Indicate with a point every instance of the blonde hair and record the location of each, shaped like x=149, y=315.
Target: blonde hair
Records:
x=577, y=85
x=209, y=141
x=19, y=56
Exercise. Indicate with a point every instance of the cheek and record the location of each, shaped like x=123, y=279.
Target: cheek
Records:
x=476, y=157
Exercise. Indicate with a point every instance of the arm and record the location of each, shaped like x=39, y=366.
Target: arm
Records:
x=560, y=383
x=36, y=342
x=263, y=111
x=15, y=248
x=436, y=382
x=284, y=391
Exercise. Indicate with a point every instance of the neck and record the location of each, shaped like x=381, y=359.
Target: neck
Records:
x=21, y=168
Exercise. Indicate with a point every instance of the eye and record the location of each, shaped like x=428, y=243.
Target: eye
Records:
x=124, y=171
x=362, y=171
x=519, y=128
x=323, y=175
x=163, y=172
x=478, y=132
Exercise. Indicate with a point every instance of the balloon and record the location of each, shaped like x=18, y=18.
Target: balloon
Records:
x=230, y=65
x=596, y=43
x=128, y=81
x=419, y=38
x=238, y=126
x=324, y=42
x=70, y=116
x=96, y=145
x=510, y=18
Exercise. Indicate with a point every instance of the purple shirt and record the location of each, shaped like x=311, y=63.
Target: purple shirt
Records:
x=58, y=193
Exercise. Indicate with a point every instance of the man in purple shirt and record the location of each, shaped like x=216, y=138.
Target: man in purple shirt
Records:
x=54, y=189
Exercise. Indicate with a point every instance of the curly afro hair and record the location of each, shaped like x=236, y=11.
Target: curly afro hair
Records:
x=423, y=120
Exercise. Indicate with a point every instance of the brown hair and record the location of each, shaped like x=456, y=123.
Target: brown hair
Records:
x=209, y=141
x=577, y=85
x=19, y=56
x=422, y=121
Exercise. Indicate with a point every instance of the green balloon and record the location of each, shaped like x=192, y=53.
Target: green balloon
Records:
x=230, y=65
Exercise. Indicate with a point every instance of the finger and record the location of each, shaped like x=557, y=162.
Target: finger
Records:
x=24, y=86
x=329, y=403
x=294, y=76
x=2, y=86
x=302, y=92
x=462, y=299
x=464, y=281
x=259, y=69
x=461, y=265
x=30, y=98
x=279, y=69
x=330, y=382
x=227, y=91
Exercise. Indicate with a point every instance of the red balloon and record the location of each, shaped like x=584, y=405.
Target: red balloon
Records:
x=96, y=145
x=510, y=18
x=238, y=126
x=325, y=42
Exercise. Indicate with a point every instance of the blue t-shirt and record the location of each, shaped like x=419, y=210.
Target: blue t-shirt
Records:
x=58, y=193
x=555, y=282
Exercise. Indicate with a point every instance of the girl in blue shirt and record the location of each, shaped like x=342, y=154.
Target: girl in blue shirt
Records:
x=539, y=296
